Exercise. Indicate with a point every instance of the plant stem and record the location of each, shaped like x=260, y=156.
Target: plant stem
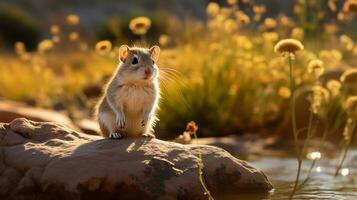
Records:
x=200, y=171
x=346, y=149
x=293, y=121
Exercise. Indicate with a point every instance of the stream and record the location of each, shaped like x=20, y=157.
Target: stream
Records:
x=322, y=184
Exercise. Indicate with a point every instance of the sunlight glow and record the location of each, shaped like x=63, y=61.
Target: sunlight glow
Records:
x=314, y=155
x=318, y=169
x=345, y=171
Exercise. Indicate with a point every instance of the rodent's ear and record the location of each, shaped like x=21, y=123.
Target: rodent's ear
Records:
x=155, y=52
x=123, y=52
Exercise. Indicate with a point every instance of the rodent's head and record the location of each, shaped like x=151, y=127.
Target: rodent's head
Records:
x=138, y=65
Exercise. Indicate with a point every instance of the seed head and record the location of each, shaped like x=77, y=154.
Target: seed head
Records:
x=349, y=76
x=319, y=96
x=351, y=107
x=288, y=46
x=334, y=87
x=316, y=68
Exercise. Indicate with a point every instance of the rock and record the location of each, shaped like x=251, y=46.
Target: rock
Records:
x=243, y=145
x=10, y=110
x=41, y=160
x=89, y=126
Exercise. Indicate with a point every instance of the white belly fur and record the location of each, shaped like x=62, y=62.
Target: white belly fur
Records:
x=135, y=100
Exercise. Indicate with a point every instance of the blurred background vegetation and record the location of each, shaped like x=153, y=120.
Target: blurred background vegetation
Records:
x=218, y=64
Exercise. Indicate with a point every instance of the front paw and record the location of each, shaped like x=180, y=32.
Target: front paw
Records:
x=149, y=135
x=120, y=120
x=145, y=120
x=115, y=136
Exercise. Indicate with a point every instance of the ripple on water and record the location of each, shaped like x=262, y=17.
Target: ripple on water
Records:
x=321, y=185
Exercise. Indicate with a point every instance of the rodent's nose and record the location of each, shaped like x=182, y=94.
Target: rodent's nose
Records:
x=147, y=71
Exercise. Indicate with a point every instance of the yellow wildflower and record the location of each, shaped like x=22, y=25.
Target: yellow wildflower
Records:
x=347, y=42
x=231, y=2
x=297, y=33
x=140, y=25
x=56, y=38
x=230, y=25
x=54, y=29
x=270, y=23
x=103, y=47
x=45, y=45
x=164, y=40
x=284, y=92
x=212, y=9
x=270, y=37
x=242, y=17
x=20, y=48
x=73, y=36
x=72, y=19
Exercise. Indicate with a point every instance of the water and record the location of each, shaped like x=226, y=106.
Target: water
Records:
x=322, y=185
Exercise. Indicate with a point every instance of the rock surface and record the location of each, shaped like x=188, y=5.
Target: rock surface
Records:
x=40, y=160
x=10, y=110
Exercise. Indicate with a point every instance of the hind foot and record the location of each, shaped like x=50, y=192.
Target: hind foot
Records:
x=149, y=135
x=115, y=136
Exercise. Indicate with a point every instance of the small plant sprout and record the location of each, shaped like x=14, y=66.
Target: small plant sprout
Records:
x=349, y=132
x=192, y=128
x=288, y=47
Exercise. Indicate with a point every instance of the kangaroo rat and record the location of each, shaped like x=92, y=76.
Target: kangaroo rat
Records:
x=128, y=106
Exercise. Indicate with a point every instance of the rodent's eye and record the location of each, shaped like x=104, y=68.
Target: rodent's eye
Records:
x=153, y=61
x=135, y=60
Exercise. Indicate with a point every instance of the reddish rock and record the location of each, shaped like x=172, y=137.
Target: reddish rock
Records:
x=10, y=110
x=41, y=160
